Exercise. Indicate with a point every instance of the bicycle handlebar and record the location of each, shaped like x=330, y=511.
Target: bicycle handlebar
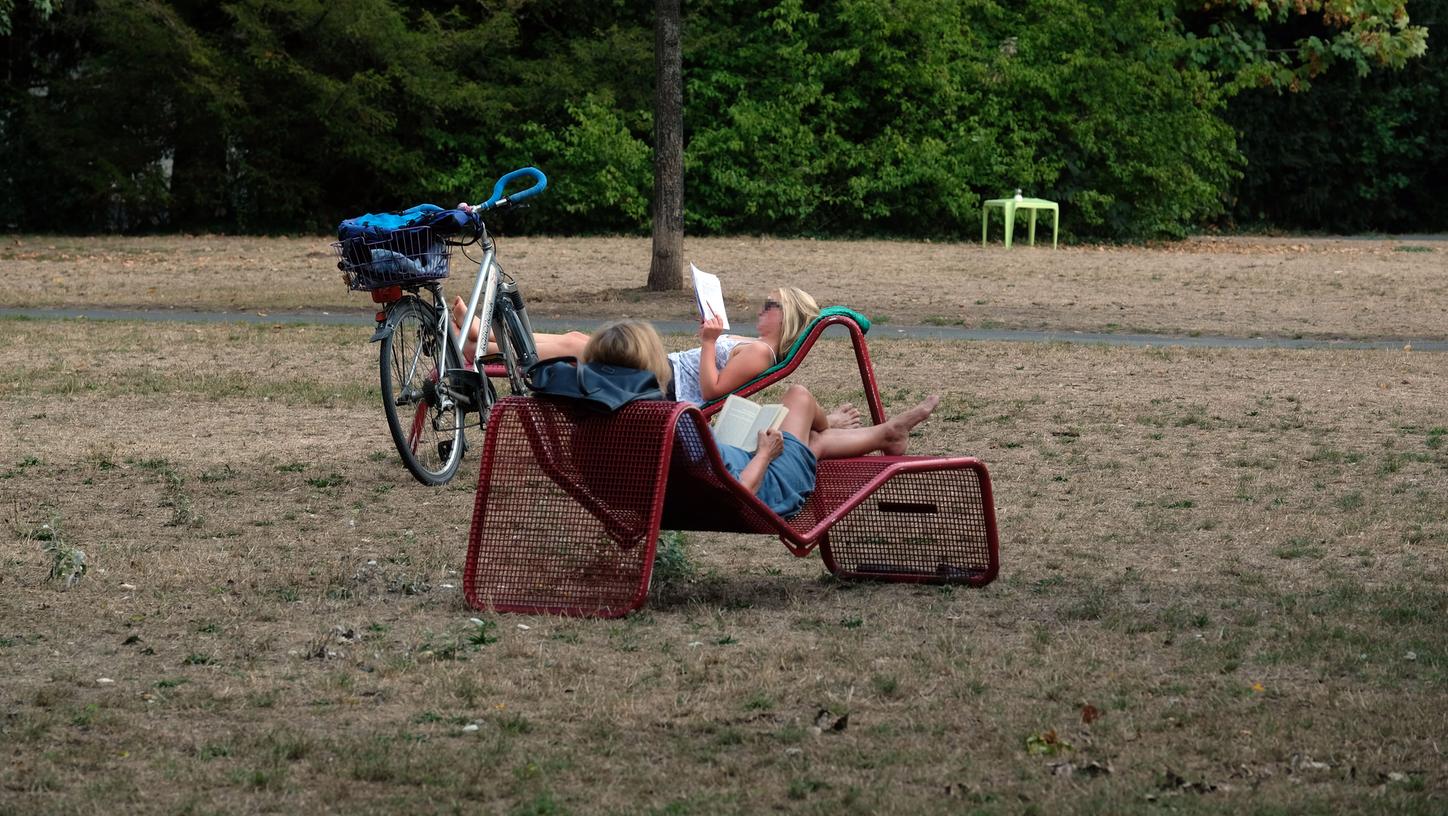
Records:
x=499, y=200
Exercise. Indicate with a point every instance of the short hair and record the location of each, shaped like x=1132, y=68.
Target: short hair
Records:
x=797, y=309
x=630, y=344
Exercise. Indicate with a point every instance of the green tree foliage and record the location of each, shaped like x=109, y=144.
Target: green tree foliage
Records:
x=895, y=117
x=575, y=92
x=1286, y=43
x=40, y=8
x=1355, y=153
x=820, y=117
x=251, y=115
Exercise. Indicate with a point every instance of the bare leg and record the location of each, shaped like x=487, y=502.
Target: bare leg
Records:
x=558, y=345
x=845, y=416
x=805, y=414
x=890, y=438
x=470, y=343
x=549, y=345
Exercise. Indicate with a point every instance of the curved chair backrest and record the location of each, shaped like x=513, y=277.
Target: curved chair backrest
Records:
x=853, y=322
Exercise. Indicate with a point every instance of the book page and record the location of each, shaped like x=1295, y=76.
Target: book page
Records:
x=708, y=295
x=770, y=418
x=735, y=420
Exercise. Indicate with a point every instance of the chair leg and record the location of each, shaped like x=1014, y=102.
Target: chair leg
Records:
x=928, y=526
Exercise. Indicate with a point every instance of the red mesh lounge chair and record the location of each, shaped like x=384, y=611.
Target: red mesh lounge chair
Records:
x=570, y=503
x=853, y=322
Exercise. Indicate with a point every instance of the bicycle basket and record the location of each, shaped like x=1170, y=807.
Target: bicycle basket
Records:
x=403, y=256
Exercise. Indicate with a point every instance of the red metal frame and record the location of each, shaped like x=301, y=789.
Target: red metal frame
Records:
x=862, y=359
x=569, y=505
x=567, y=511
x=419, y=420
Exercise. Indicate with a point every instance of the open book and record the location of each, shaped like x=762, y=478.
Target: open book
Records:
x=741, y=420
x=708, y=295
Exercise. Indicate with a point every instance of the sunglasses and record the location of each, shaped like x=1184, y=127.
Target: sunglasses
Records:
x=770, y=303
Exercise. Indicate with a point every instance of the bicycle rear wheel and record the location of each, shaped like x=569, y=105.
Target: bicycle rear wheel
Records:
x=426, y=424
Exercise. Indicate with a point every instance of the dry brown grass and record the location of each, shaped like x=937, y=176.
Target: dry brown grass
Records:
x=1228, y=286
x=1235, y=557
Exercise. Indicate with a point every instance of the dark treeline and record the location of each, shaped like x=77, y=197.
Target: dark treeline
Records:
x=828, y=117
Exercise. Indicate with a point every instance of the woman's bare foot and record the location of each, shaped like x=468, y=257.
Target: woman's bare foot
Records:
x=470, y=341
x=898, y=427
x=845, y=416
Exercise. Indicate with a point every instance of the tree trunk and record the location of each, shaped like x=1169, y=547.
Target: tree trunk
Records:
x=666, y=270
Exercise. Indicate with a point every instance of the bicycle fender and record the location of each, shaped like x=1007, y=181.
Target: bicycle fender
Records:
x=394, y=315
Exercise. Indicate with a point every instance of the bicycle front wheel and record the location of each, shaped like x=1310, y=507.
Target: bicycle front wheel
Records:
x=426, y=424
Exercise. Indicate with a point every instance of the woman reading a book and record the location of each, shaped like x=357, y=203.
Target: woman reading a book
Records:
x=781, y=469
x=724, y=362
x=721, y=362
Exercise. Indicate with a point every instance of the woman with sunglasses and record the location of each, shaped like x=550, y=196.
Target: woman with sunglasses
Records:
x=724, y=362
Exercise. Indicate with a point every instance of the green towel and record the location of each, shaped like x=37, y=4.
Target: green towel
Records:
x=828, y=311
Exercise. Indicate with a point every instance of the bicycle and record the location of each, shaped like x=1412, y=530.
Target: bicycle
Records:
x=427, y=387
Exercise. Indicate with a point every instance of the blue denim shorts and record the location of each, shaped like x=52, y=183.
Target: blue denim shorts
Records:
x=789, y=480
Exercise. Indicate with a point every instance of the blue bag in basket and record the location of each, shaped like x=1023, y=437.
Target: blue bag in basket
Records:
x=402, y=245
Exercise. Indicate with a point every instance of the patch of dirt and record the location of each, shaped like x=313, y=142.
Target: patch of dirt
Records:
x=1228, y=555
x=1295, y=287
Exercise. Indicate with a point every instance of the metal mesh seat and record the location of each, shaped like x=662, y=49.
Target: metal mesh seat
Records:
x=570, y=503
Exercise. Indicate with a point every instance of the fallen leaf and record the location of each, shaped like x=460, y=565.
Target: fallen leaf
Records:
x=826, y=721
x=1089, y=714
x=1047, y=743
x=957, y=790
x=1173, y=781
x=1089, y=769
x=1302, y=762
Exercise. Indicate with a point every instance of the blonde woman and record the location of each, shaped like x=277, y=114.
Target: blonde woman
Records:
x=781, y=471
x=722, y=362
x=629, y=344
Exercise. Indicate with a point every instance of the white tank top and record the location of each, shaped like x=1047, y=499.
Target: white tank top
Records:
x=686, y=365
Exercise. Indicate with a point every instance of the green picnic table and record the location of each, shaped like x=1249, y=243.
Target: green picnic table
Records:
x=1009, y=207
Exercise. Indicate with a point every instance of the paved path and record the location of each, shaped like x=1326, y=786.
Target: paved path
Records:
x=880, y=330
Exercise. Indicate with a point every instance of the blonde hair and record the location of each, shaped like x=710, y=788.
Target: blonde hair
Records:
x=797, y=309
x=630, y=344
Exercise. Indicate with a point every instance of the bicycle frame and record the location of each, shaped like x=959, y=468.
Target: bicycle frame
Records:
x=498, y=312
x=485, y=287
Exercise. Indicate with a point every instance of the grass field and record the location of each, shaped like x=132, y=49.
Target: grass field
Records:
x=1300, y=287
x=1223, y=589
